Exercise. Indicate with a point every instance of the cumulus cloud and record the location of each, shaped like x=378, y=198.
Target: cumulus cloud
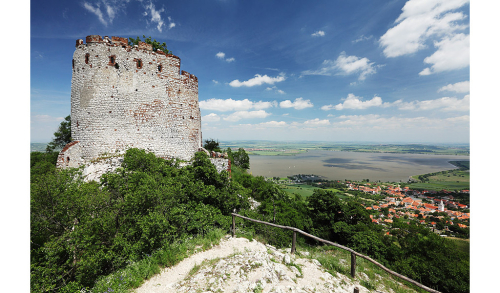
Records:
x=317, y=122
x=273, y=124
x=212, y=117
x=354, y=102
x=276, y=90
x=459, y=87
x=318, y=34
x=234, y=105
x=445, y=104
x=258, y=80
x=237, y=116
x=171, y=24
x=453, y=53
x=373, y=121
x=345, y=65
x=419, y=21
x=352, y=64
x=222, y=56
x=298, y=104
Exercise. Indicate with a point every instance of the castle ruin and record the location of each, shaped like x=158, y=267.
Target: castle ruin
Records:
x=125, y=97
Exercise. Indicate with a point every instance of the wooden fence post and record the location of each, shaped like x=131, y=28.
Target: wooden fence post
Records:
x=353, y=265
x=353, y=253
x=294, y=240
x=234, y=227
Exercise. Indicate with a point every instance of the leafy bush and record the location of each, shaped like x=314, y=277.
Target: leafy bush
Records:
x=83, y=230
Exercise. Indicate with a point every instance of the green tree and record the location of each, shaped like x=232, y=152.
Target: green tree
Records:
x=212, y=145
x=62, y=136
x=241, y=159
x=156, y=45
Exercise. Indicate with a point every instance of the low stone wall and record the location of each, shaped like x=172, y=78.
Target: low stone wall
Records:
x=221, y=164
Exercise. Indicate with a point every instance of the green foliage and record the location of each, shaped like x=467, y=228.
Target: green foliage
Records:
x=83, y=230
x=62, y=136
x=156, y=45
x=334, y=219
x=115, y=233
x=212, y=146
x=239, y=158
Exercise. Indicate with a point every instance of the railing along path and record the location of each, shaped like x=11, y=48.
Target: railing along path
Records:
x=353, y=253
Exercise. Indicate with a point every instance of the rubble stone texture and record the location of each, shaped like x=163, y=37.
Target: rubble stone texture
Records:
x=130, y=97
x=238, y=265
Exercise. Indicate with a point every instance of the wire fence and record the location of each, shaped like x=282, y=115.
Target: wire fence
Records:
x=284, y=238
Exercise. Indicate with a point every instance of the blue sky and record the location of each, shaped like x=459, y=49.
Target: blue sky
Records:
x=379, y=71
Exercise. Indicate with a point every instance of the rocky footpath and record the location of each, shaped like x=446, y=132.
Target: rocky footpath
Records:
x=238, y=265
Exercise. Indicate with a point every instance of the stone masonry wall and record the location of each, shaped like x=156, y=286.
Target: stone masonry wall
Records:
x=124, y=97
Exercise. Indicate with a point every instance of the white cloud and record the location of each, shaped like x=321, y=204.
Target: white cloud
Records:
x=298, y=104
x=155, y=16
x=171, y=24
x=317, y=122
x=345, y=65
x=373, y=121
x=445, y=103
x=212, y=117
x=352, y=64
x=45, y=118
x=95, y=10
x=215, y=81
x=222, y=55
x=258, y=80
x=111, y=12
x=362, y=38
x=276, y=90
x=273, y=124
x=354, y=102
x=453, y=53
x=459, y=87
x=236, y=116
x=420, y=20
x=234, y=105
x=318, y=34
x=264, y=105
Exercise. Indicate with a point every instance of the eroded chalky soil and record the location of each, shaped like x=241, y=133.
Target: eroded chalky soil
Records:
x=238, y=265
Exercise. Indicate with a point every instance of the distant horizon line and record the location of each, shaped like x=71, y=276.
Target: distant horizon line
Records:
x=331, y=142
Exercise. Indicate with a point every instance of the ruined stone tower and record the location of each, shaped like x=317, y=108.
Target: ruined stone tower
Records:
x=130, y=97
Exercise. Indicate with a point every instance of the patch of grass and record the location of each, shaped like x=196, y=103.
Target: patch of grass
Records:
x=368, y=285
x=195, y=269
x=134, y=274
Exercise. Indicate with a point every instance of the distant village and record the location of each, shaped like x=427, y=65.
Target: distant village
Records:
x=439, y=211
x=416, y=205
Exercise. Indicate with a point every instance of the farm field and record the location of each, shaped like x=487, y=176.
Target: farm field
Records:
x=275, y=152
x=305, y=190
x=272, y=148
x=449, y=180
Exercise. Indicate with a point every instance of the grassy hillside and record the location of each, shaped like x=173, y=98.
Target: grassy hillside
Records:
x=449, y=180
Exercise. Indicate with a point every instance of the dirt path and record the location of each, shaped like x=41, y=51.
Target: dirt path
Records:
x=238, y=265
x=163, y=282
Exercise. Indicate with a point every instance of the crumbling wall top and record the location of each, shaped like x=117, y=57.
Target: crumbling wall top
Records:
x=120, y=41
x=93, y=39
